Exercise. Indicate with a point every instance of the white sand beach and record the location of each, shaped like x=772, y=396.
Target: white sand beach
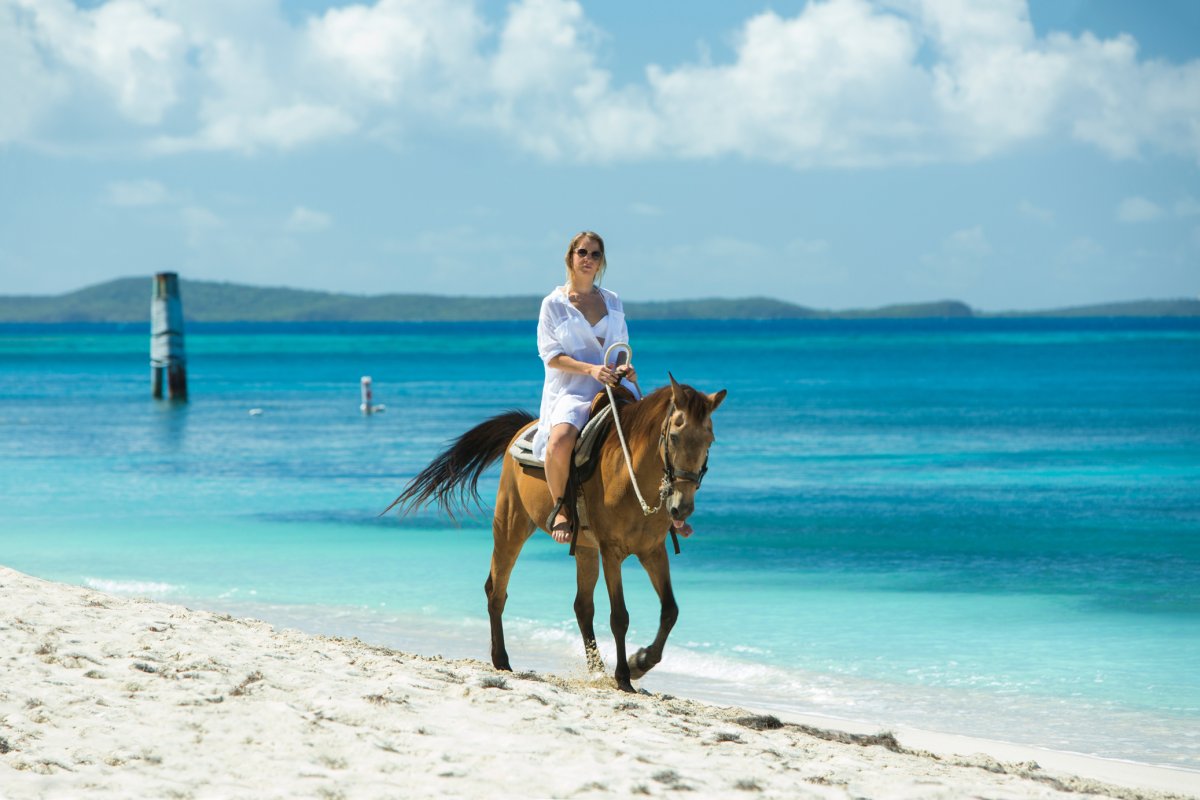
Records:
x=108, y=697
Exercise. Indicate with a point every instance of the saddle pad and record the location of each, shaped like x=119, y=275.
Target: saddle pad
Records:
x=522, y=448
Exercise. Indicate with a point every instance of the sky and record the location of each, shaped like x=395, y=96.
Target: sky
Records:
x=834, y=153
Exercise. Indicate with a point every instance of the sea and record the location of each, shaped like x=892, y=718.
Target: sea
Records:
x=987, y=527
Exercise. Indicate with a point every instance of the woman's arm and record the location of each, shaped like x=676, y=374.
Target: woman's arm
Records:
x=601, y=372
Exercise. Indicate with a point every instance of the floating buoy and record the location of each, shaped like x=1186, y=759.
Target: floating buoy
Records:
x=365, y=406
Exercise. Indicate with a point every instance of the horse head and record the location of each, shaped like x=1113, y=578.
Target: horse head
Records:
x=687, y=435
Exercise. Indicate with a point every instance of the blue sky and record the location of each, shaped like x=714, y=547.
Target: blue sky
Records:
x=836, y=154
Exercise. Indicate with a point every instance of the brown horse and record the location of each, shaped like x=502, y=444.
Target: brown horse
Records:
x=668, y=433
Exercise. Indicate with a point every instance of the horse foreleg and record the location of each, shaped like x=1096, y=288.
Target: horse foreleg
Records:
x=618, y=618
x=659, y=569
x=587, y=573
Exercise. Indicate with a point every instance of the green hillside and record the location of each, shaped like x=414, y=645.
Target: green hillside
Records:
x=128, y=300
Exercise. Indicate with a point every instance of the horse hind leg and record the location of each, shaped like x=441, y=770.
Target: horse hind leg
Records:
x=587, y=573
x=659, y=569
x=510, y=531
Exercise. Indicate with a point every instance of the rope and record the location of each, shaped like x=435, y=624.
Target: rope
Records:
x=665, y=487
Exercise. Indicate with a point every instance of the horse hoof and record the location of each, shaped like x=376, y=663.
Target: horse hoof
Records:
x=625, y=686
x=639, y=665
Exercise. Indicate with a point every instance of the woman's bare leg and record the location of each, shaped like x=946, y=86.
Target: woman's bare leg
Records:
x=559, y=448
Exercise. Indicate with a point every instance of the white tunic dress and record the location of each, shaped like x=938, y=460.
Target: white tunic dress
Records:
x=562, y=328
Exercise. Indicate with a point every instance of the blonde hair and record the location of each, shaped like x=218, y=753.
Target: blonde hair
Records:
x=579, y=237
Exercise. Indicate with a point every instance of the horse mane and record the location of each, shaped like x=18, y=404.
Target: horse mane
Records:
x=642, y=419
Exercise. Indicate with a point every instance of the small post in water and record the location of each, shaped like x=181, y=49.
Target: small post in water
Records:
x=366, y=406
x=166, y=338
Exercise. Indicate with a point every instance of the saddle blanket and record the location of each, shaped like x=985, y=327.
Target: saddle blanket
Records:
x=585, y=448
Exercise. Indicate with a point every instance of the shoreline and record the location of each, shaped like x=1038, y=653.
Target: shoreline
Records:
x=449, y=638
x=117, y=697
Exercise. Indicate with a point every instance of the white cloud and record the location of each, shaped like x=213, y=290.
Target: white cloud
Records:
x=1187, y=206
x=835, y=85
x=399, y=50
x=199, y=224
x=125, y=47
x=968, y=243
x=1028, y=209
x=1138, y=209
x=840, y=83
x=1082, y=250
x=549, y=95
x=27, y=89
x=136, y=193
x=957, y=264
x=305, y=220
x=283, y=128
x=806, y=248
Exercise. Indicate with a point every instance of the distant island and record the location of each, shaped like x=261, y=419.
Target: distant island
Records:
x=128, y=300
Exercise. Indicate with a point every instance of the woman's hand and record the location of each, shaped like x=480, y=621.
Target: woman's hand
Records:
x=604, y=374
x=612, y=376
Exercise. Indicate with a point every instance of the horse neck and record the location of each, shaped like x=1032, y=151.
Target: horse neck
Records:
x=642, y=423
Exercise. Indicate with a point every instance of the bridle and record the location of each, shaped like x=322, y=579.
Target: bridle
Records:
x=670, y=473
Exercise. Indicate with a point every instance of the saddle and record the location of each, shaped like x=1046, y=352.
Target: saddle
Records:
x=587, y=446
x=586, y=456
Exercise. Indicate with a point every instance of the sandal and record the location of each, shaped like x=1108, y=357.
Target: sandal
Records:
x=561, y=532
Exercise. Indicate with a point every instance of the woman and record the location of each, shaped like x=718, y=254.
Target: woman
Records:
x=577, y=322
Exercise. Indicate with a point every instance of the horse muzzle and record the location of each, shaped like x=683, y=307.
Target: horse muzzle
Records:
x=679, y=506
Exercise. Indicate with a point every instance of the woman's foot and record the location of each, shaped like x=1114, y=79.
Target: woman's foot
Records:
x=560, y=531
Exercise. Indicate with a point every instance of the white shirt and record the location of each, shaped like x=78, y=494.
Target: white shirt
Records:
x=562, y=329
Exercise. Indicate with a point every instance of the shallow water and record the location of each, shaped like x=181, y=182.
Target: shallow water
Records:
x=988, y=527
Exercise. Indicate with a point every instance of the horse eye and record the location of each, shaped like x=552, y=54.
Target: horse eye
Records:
x=674, y=438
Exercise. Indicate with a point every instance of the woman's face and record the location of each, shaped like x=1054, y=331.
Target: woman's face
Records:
x=587, y=258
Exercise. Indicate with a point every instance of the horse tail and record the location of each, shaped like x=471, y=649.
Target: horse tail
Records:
x=452, y=479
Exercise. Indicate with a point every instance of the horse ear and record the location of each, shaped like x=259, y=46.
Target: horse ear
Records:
x=714, y=400
x=676, y=391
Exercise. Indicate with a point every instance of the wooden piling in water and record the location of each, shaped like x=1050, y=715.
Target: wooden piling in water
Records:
x=166, y=338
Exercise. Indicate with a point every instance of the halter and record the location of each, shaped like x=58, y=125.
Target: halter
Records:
x=670, y=474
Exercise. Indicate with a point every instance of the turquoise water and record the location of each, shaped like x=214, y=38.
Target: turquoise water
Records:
x=981, y=527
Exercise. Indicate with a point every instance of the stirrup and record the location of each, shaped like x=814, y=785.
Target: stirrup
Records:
x=572, y=521
x=554, y=513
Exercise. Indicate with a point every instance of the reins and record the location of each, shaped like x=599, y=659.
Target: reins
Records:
x=669, y=472
x=665, y=487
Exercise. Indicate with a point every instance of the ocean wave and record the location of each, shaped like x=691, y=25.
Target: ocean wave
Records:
x=139, y=588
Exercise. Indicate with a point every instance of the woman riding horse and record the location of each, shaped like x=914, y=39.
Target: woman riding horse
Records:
x=575, y=321
x=657, y=447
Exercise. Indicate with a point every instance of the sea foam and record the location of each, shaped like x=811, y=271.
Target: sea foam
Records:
x=137, y=588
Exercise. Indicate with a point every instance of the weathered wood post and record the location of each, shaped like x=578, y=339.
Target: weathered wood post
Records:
x=166, y=338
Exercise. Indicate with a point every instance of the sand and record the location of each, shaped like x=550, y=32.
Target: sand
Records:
x=109, y=697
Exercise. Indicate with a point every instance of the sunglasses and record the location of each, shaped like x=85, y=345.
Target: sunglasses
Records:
x=583, y=252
